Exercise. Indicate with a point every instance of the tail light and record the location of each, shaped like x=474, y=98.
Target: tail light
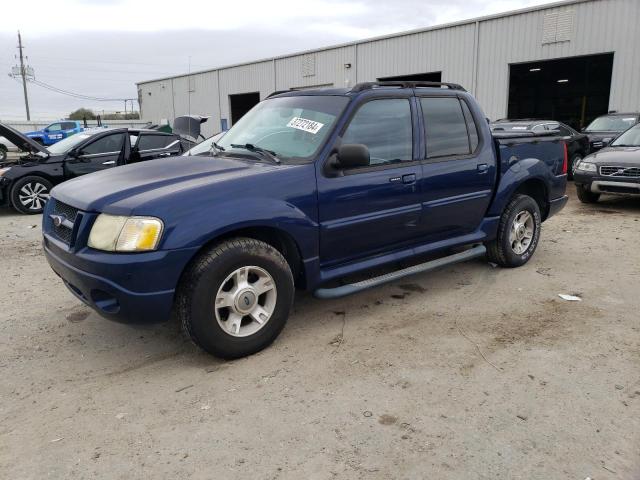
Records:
x=565, y=161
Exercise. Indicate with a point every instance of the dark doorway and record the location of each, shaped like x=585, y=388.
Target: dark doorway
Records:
x=418, y=77
x=241, y=104
x=571, y=90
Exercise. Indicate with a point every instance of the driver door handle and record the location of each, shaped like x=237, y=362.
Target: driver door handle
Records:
x=109, y=162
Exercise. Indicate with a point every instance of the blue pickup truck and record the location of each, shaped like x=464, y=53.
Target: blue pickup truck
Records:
x=307, y=190
x=55, y=132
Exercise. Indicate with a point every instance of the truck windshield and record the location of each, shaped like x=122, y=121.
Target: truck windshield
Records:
x=63, y=146
x=612, y=123
x=291, y=127
x=630, y=138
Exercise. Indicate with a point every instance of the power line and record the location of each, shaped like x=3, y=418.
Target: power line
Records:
x=78, y=95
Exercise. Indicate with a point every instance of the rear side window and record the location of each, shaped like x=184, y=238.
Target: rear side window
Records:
x=152, y=142
x=107, y=144
x=68, y=126
x=445, y=127
x=385, y=127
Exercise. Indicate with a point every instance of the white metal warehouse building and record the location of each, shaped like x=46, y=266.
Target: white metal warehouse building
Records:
x=569, y=61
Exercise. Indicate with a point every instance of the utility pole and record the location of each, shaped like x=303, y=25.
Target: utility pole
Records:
x=23, y=74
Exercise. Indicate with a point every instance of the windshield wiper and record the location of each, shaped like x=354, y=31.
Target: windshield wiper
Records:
x=271, y=155
x=623, y=145
x=215, y=149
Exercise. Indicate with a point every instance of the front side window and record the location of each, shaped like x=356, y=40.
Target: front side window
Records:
x=54, y=127
x=107, y=144
x=445, y=126
x=385, y=127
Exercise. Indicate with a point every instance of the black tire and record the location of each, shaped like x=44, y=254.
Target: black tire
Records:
x=22, y=190
x=586, y=196
x=206, y=276
x=3, y=153
x=572, y=163
x=501, y=250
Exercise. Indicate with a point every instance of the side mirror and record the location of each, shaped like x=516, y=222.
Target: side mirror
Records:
x=583, y=129
x=353, y=156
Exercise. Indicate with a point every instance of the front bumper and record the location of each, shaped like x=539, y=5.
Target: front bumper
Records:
x=608, y=185
x=127, y=288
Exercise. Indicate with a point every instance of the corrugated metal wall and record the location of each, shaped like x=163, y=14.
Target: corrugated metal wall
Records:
x=476, y=54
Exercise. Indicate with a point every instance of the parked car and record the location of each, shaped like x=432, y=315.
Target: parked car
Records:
x=5, y=147
x=607, y=127
x=308, y=189
x=55, y=132
x=25, y=184
x=614, y=169
x=577, y=143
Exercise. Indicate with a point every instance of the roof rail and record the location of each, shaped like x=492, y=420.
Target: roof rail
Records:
x=278, y=92
x=359, y=87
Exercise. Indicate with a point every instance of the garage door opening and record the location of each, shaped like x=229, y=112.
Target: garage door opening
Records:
x=418, y=77
x=572, y=90
x=241, y=104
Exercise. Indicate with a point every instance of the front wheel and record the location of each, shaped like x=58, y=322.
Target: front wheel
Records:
x=234, y=300
x=30, y=194
x=586, y=196
x=518, y=233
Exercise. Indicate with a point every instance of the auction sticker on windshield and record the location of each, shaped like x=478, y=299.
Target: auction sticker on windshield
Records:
x=305, y=125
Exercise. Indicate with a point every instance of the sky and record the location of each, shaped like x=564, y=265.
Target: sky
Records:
x=101, y=48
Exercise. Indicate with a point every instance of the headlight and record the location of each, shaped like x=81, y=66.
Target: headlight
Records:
x=125, y=234
x=4, y=170
x=586, y=167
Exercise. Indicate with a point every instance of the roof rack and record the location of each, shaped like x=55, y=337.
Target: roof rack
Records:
x=359, y=87
x=278, y=92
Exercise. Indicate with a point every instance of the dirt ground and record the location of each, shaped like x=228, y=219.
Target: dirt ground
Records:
x=471, y=372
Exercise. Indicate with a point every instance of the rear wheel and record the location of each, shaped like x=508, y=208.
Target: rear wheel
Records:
x=234, y=300
x=518, y=233
x=587, y=196
x=30, y=194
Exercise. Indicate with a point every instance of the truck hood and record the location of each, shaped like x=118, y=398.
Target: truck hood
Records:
x=122, y=190
x=617, y=156
x=21, y=140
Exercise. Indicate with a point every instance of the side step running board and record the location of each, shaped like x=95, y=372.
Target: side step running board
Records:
x=477, y=251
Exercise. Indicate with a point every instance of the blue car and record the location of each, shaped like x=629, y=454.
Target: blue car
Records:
x=307, y=190
x=55, y=132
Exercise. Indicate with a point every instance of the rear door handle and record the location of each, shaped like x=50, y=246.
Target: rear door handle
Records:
x=109, y=162
x=409, y=178
x=483, y=168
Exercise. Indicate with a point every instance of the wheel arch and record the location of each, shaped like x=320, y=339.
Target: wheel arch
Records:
x=536, y=189
x=278, y=238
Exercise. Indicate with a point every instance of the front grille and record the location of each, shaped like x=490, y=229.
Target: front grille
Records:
x=623, y=172
x=70, y=213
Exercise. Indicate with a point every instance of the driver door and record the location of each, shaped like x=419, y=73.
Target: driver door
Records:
x=374, y=208
x=98, y=154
